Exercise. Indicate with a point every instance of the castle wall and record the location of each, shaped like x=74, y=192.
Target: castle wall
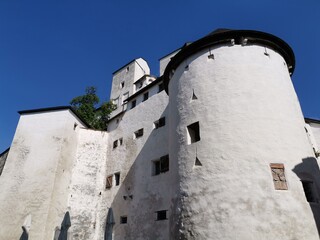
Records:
x=249, y=118
x=140, y=193
x=35, y=180
x=87, y=184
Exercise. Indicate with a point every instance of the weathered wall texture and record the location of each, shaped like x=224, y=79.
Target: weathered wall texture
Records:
x=3, y=159
x=249, y=117
x=134, y=160
x=87, y=184
x=37, y=174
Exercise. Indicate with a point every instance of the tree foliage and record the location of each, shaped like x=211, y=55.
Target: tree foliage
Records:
x=91, y=110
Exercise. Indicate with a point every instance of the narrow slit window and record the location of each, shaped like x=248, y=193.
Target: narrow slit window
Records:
x=309, y=191
x=193, y=133
x=161, y=215
x=123, y=219
x=133, y=104
x=278, y=175
x=122, y=84
x=121, y=141
x=138, y=133
x=109, y=182
x=160, y=87
x=160, y=123
x=115, y=144
x=145, y=96
x=117, y=178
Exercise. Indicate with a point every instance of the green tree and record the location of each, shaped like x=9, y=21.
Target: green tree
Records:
x=89, y=108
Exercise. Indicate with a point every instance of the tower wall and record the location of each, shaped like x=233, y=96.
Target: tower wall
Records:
x=249, y=117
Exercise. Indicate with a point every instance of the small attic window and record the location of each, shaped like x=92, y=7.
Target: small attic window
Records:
x=193, y=133
x=127, y=69
x=122, y=84
x=161, y=215
x=160, y=87
x=123, y=219
x=115, y=144
x=161, y=165
x=133, y=104
x=159, y=123
x=145, y=96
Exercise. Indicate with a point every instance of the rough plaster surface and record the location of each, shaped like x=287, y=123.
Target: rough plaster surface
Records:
x=37, y=174
x=249, y=117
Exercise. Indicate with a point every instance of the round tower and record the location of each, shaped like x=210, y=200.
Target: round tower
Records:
x=236, y=134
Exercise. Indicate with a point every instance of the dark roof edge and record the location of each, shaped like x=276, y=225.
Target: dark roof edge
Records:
x=311, y=120
x=222, y=37
x=115, y=116
x=58, y=108
x=7, y=150
x=123, y=66
x=158, y=80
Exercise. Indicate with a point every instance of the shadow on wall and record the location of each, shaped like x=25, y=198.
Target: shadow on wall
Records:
x=309, y=174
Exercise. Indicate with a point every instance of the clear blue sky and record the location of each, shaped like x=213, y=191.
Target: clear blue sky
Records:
x=51, y=50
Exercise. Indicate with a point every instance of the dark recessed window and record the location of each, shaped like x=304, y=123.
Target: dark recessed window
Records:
x=160, y=87
x=121, y=141
x=123, y=219
x=160, y=123
x=133, y=104
x=138, y=133
x=309, y=191
x=161, y=215
x=145, y=96
x=117, y=178
x=161, y=165
x=115, y=144
x=193, y=132
x=121, y=84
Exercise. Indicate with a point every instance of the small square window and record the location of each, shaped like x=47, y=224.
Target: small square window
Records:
x=117, y=178
x=161, y=165
x=123, y=219
x=193, y=133
x=109, y=182
x=115, y=144
x=160, y=87
x=121, y=141
x=133, y=104
x=161, y=215
x=160, y=123
x=138, y=133
x=279, y=178
x=145, y=96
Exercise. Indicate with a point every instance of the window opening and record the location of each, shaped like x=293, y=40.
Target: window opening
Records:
x=121, y=141
x=197, y=162
x=115, y=144
x=160, y=87
x=123, y=219
x=109, y=182
x=117, y=178
x=194, y=97
x=138, y=133
x=124, y=97
x=161, y=165
x=193, y=133
x=161, y=215
x=145, y=96
x=115, y=102
x=279, y=178
x=133, y=104
x=122, y=84
x=127, y=69
x=160, y=123
x=309, y=191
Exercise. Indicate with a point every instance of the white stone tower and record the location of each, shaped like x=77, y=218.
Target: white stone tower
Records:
x=237, y=140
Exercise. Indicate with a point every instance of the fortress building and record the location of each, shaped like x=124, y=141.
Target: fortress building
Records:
x=216, y=147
